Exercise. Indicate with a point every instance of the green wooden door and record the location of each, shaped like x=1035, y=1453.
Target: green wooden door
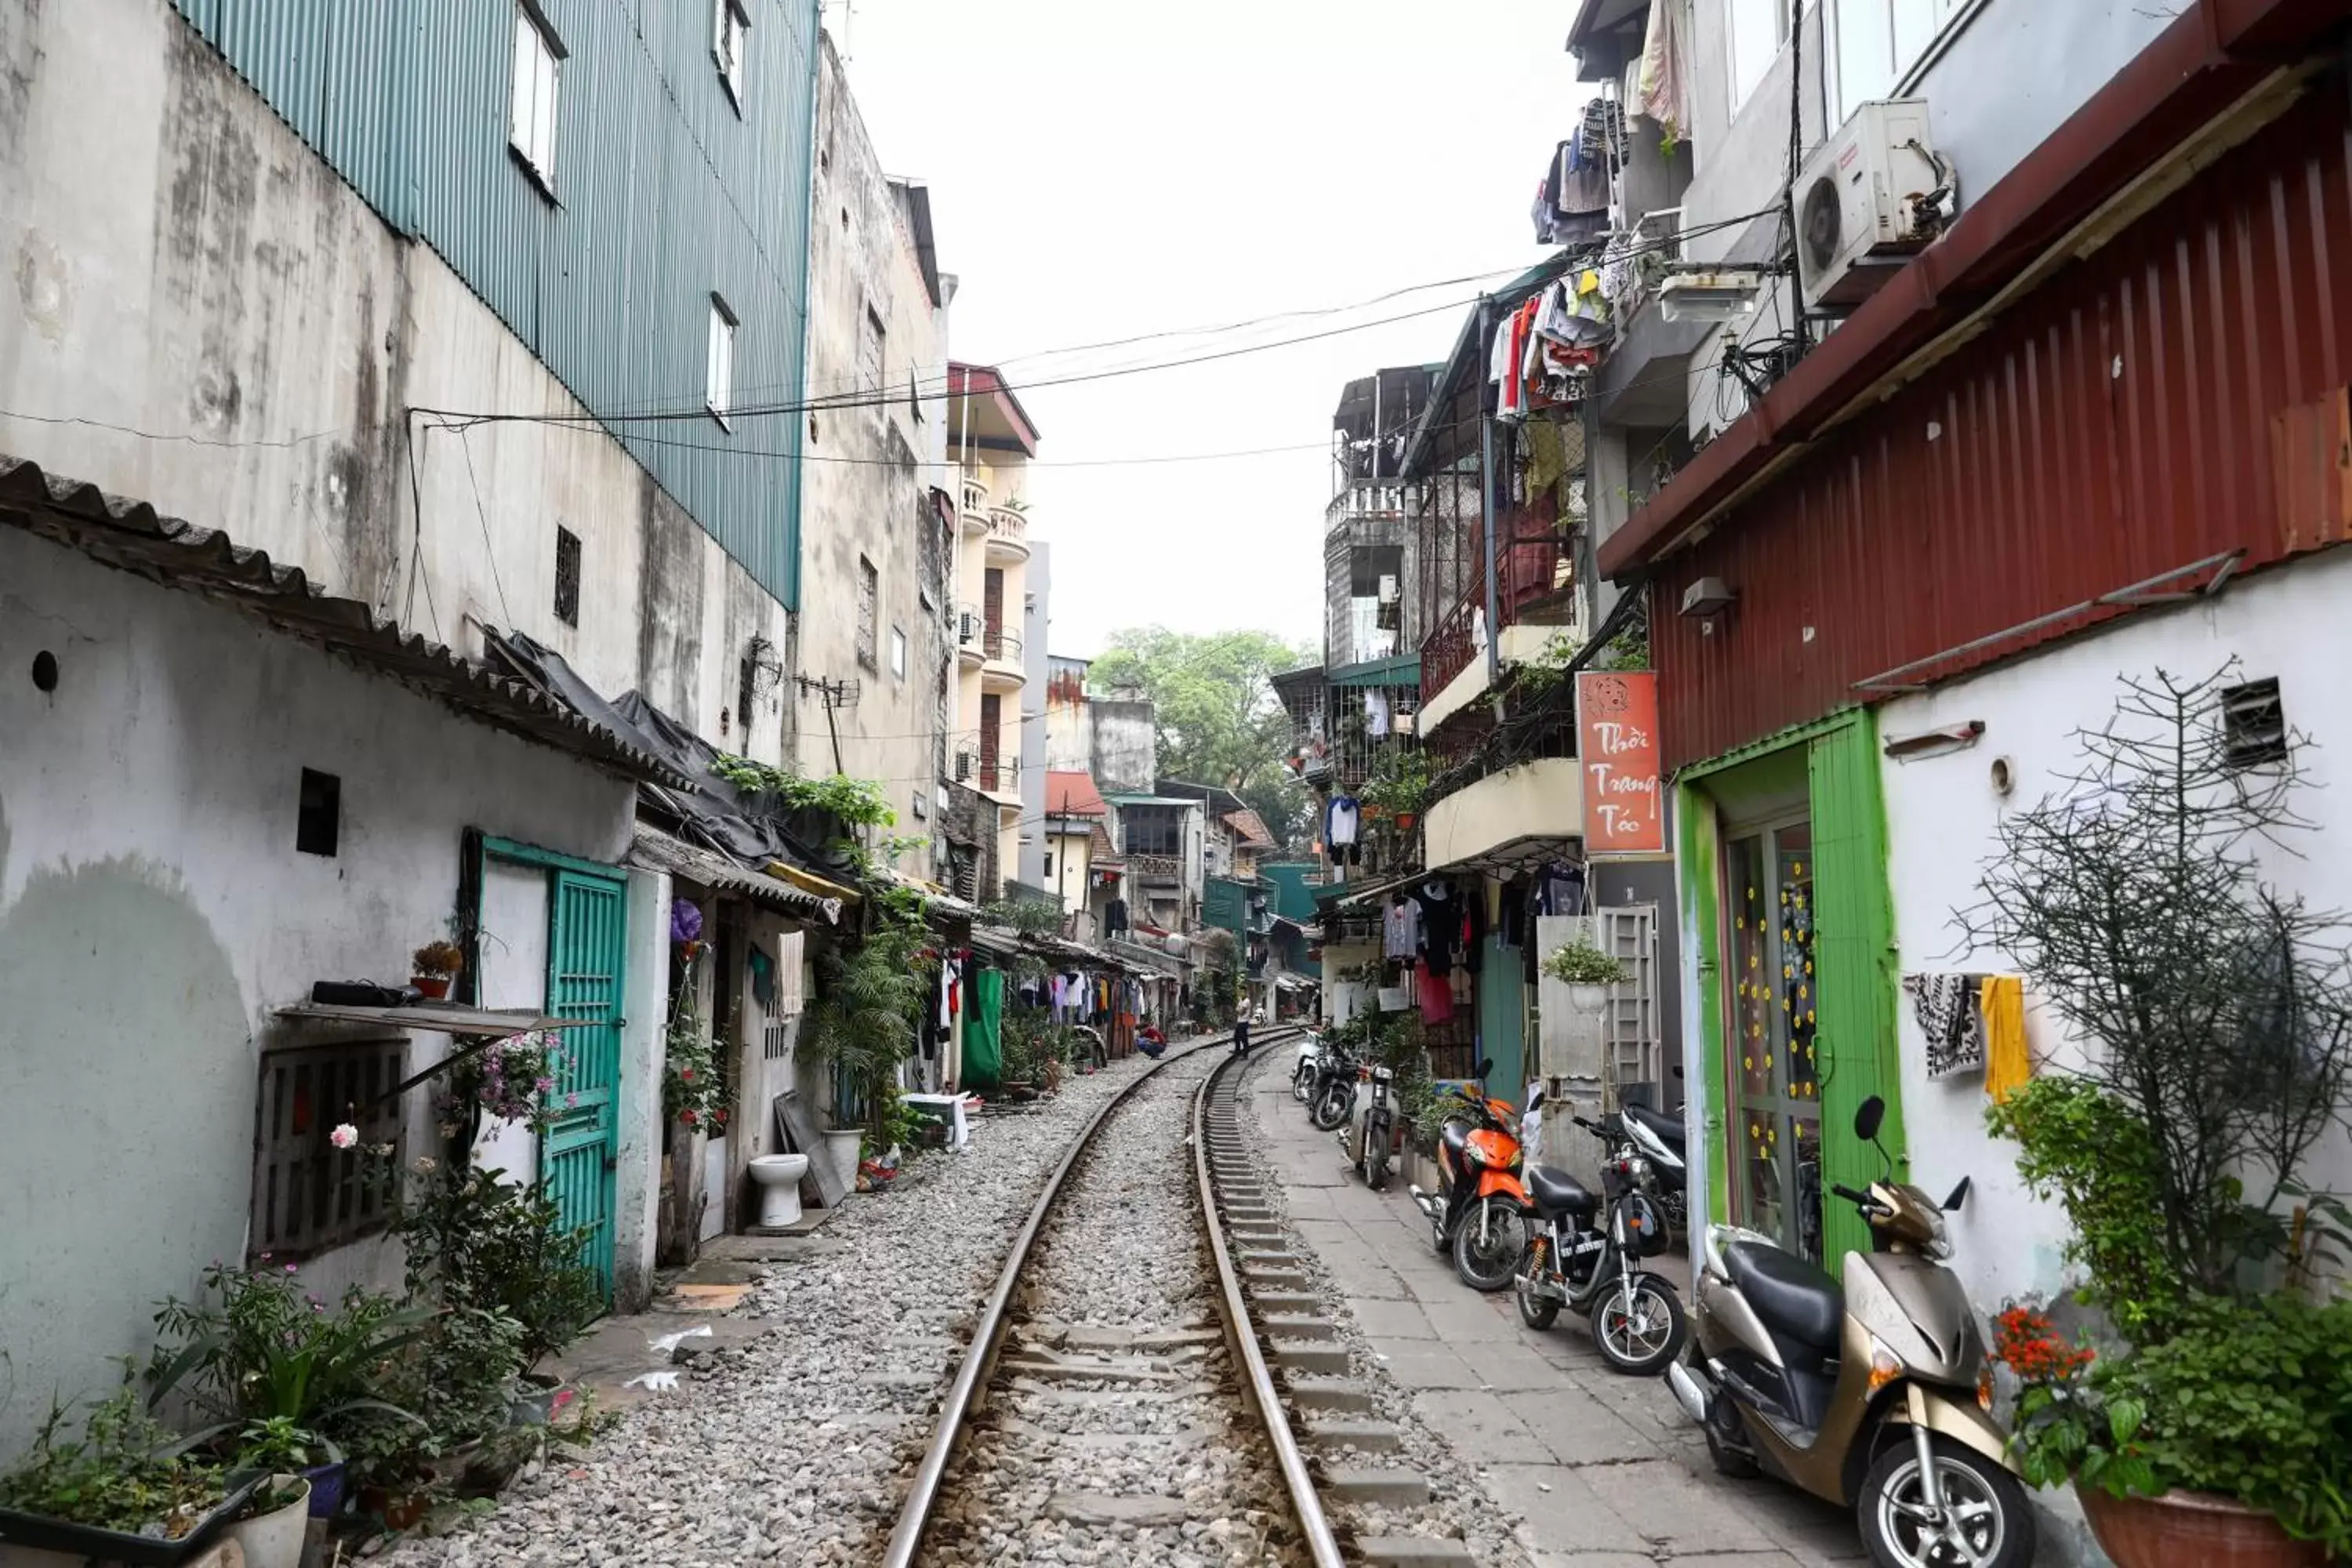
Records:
x=587, y=948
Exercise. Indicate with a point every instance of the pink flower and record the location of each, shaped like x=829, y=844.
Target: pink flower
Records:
x=344, y=1136
x=290, y=1269
x=545, y=1084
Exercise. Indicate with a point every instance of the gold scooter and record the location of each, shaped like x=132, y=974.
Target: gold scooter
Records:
x=1876, y=1395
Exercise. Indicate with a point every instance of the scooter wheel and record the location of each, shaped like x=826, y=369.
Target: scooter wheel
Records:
x=1537, y=1311
x=1723, y=1446
x=1639, y=1340
x=1981, y=1499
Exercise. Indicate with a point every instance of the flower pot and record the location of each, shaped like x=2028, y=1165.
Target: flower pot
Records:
x=1405, y=819
x=435, y=987
x=326, y=1490
x=28, y=1533
x=1588, y=998
x=2192, y=1526
x=274, y=1540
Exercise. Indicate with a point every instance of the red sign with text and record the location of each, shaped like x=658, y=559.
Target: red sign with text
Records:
x=1617, y=747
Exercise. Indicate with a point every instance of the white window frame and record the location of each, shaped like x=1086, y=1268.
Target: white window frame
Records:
x=898, y=653
x=719, y=362
x=535, y=94
x=731, y=35
x=1743, y=76
x=1943, y=20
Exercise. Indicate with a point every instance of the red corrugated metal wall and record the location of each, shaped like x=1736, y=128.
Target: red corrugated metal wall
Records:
x=2179, y=394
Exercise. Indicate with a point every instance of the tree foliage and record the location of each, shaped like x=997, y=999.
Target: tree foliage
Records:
x=1219, y=721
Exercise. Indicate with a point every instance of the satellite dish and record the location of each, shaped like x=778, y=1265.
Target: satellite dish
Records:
x=1823, y=215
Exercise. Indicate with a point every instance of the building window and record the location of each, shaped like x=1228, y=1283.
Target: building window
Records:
x=1758, y=31
x=530, y=122
x=1879, y=42
x=319, y=814
x=870, y=352
x=898, y=653
x=1049, y=865
x=869, y=595
x=731, y=35
x=720, y=394
x=567, y=576
x=308, y=1194
x=2253, y=725
x=914, y=395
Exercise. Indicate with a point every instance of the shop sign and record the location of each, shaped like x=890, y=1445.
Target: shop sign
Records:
x=1617, y=747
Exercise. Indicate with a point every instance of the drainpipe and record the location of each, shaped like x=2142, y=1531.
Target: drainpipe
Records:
x=1486, y=495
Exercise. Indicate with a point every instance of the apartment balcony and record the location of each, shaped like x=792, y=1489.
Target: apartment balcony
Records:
x=1509, y=821
x=1001, y=669
x=1162, y=871
x=975, y=507
x=1008, y=537
x=971, y=636
x=998, y=777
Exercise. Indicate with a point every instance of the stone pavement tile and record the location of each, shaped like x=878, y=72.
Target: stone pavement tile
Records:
x=1740, y=1560
x=1575, y=1429
x=1479, y=1427
x=1678, y=1511
x=1592, y=1560
x=1646, y=1404
x=1360, y=1279
x=1394, y=1319
x=1415, y=1363
x=1809, y=1530
x=1311, y=1203
x=1507, y=1365
x=1466, y=1317
x=1325, y=1235
x=1561, y=1514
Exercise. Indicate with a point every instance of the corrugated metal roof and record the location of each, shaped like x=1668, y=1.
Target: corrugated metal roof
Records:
x=656, y=850
x=1073, y=794
x=2147, y=409
x=1404, y=669
x=131, y=536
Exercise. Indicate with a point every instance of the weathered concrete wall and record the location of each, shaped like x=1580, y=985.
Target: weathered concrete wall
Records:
x=1068, y=724
x=869, y=476
x=1036, y=619
x=154, y=913
x=1126, y=744
x=255, y=350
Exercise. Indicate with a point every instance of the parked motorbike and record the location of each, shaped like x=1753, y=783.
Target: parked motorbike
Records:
x=1658, y=1138
x=1874, y=1395
x=1474, y=1213
x=1302, y=1073
x=1378, y=1130
x=1331, y=1099
x=1571, y=1262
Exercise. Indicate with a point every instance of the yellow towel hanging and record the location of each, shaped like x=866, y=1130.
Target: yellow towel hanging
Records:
x=2008, y=1064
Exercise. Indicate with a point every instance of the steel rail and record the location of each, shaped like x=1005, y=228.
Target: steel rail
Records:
x=1322, y=1545
x=988, y=1332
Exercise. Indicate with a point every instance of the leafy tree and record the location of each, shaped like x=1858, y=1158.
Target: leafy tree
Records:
x=1219, y=720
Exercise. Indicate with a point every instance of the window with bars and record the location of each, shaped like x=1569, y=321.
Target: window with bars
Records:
x=2254, y=724
x=869, y=597
x=567, y=576
x=308, y=1194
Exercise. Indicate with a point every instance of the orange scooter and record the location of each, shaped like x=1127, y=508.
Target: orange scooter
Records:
x=1474, y=1213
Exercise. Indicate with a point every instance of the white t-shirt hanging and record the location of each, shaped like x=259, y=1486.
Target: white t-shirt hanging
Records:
x=1376, y=714
x=1341, y=827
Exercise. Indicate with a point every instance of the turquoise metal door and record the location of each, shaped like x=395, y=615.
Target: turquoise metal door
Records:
x=587, y=946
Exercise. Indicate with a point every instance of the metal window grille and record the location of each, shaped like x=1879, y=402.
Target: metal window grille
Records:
x=2254, y=724
x=869, y=596
x=308, y=1194
x=776, y=1041
x=567, y=576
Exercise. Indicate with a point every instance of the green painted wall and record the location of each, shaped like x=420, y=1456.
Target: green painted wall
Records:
x=1832, y=769
x=664, y=193
x=1224, y=904
x=1290, y=895
x=1502, y=1018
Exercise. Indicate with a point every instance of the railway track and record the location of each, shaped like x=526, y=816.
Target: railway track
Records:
x=1151, y=1380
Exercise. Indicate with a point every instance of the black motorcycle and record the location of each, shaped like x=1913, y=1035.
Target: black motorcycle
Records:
x=1584, y=1250
x=1658, y=1138
x=1331, y=1100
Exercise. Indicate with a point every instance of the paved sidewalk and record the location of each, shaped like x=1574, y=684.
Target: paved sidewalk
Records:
x=1605, y=1470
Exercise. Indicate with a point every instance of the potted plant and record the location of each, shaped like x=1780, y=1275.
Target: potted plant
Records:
x=2212, y=1017
x=871, y=999
x=278, y=1515
x=435, y=965
x=125, y=1490
x=1587, y=971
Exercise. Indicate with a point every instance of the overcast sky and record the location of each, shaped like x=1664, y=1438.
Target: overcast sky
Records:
x=1100, y=169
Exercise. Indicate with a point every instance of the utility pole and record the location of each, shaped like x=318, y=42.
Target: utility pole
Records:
x=1486, y=495
x=832, y=694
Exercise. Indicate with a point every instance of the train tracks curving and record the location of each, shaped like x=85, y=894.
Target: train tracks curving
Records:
x=1151, y=1379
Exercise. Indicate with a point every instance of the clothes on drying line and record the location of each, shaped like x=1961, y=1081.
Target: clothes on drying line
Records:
x=1376, y=714
x=1115, y=917
x=1441, y=923
x=1341, y=820
x=1951, y=1011
x=1400, y=927
x=1662, y=84
x=2009, y=1065
x=1435, y=994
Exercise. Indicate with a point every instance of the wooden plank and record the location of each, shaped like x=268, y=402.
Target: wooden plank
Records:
x=801, y=1137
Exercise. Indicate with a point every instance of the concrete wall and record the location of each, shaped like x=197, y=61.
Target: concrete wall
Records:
x=1068, y=723
x=1036, y=619
x=869, y=476
x=1125, y=750
x=187, y=268
x=154, y=913
x=1942, y=813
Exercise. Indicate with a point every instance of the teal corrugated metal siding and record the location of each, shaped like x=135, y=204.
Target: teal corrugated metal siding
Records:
x=664, y=195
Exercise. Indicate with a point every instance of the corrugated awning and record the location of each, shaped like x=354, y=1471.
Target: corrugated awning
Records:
x=131, y=536
x=1342, y=895
x=657, y=851
x=1404, y=669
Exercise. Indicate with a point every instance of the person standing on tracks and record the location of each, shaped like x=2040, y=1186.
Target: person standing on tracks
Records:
x=1241, y=1034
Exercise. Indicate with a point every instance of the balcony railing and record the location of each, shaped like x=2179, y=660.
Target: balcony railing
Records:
x=1531, y=567
x=1156, y=867
x=999, y=645
x=975, y=495
x=999, y=775
x=1008, y=527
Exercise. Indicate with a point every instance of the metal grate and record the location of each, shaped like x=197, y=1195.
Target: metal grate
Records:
x=567, y=576
x=2254, y=724
x=776, y=1041
x=308, y=1194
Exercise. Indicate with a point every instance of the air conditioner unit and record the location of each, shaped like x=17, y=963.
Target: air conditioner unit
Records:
x=1659, y=233
x=1859, y=216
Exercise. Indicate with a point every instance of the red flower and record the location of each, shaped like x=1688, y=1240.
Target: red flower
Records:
x=688, y=1118
x=686, y=1075
x=719, y=1116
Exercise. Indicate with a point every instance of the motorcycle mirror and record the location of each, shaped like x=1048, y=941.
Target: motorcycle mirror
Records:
x=1867, y=1117
x=1486, y=1066
x=1960, y=1195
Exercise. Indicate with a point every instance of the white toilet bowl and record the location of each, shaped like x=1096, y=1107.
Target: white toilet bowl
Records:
x=777, y=1177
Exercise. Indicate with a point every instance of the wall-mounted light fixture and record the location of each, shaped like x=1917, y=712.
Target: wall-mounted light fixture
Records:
x=1708, y=597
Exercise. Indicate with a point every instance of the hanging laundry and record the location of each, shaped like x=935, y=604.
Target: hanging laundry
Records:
x=1341, y=819
x=792, y=985
x=1400, y=927
x=1664, y=94
x=1951, y=1011
x=2009, y=1066
x=1376, y=714
x=1436, y=995
x=1580, y=179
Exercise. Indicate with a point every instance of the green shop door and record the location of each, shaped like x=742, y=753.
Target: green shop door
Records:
x=1774, y=1114
x=587, y=946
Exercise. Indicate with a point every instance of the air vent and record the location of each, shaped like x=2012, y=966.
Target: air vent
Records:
x=1822, y=213
x=2253, y=725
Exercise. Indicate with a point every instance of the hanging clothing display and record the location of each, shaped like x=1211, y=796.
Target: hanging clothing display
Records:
x=1115, y=917
x=2008, y=1064
x=984, y=1054
x=1436, y=995
x=791, y=982
x=1376, y=714
x=1441, y=925
x=1662, y=87
x=1949, y=1008
x=1400, y=927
